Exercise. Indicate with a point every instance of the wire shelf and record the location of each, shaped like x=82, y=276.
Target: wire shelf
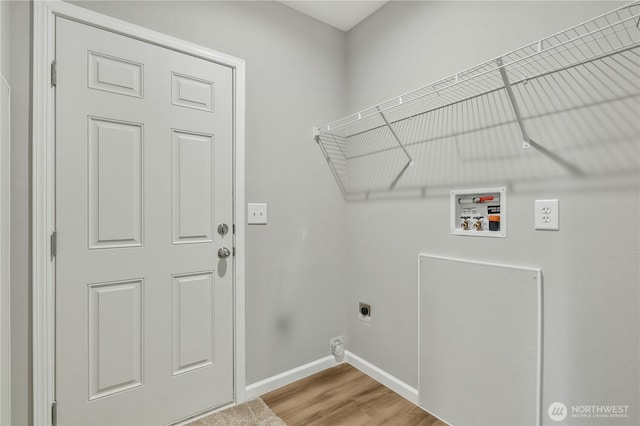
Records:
x=573, y=96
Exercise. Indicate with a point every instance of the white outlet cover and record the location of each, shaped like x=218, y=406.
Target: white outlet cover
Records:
x=257, y=214
x=336, y=344
x=547, y=215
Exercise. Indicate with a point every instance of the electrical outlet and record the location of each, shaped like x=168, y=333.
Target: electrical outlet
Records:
x=364, y=312
x=547, y=215
x=336, y=344
x=257, y=214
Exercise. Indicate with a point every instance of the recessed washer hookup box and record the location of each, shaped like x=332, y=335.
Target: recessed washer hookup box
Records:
x=479, y=212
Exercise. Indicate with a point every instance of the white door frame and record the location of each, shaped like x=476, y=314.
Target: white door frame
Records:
x=43, y=169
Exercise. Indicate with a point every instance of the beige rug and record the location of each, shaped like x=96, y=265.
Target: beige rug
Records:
x=252, y=413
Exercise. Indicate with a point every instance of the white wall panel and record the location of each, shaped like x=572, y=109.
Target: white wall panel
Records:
x=479, y=342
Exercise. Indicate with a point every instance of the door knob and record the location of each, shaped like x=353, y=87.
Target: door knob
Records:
x=223, y=253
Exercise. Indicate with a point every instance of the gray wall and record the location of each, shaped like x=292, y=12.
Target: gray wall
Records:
x=20, y=66
x=590, y=272
x=5, y=27
x=296, y=268
x=5, y=225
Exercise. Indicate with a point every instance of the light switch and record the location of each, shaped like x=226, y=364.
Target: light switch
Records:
x=547, y=215
x=257, y=214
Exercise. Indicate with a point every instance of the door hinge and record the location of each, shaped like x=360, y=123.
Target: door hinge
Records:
x=233, y=251
x=54, y=413
x=54, y=244
x=233, y=229
x=54, y=74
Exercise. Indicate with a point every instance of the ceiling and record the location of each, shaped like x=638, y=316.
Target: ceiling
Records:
x=343, y=15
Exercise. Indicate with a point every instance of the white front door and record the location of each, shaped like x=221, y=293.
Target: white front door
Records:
x=144, y=314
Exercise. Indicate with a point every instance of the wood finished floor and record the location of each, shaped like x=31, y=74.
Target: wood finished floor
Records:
x=343, y=395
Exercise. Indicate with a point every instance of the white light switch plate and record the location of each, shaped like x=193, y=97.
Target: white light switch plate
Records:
x=257, y=214
x=547, y=215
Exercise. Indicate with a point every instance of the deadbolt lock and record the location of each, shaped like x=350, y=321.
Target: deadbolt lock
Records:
x=223, y=229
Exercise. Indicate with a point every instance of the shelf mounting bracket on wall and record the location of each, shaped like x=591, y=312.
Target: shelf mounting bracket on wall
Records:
x=395, y=136
x=527, y=142
x=332, y=166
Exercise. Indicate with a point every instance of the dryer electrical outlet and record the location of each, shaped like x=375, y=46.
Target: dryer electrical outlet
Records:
x=364, y=312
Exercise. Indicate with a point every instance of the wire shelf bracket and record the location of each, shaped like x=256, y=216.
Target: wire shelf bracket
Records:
x=526, y=142
x=395, y=136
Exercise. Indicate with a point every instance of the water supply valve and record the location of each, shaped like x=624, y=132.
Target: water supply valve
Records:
x=479, y=223
x=464, y=223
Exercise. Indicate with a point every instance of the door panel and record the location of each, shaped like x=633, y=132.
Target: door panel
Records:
x=193, y=312
x=191, y=92
x=192, y=187
x=115, y=183
x=114, y=75
x=115, y=337
x=143, y=178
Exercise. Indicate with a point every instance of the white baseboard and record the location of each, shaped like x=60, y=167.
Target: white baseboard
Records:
x=254, y=390
x=409, y=393
x=398, y=386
